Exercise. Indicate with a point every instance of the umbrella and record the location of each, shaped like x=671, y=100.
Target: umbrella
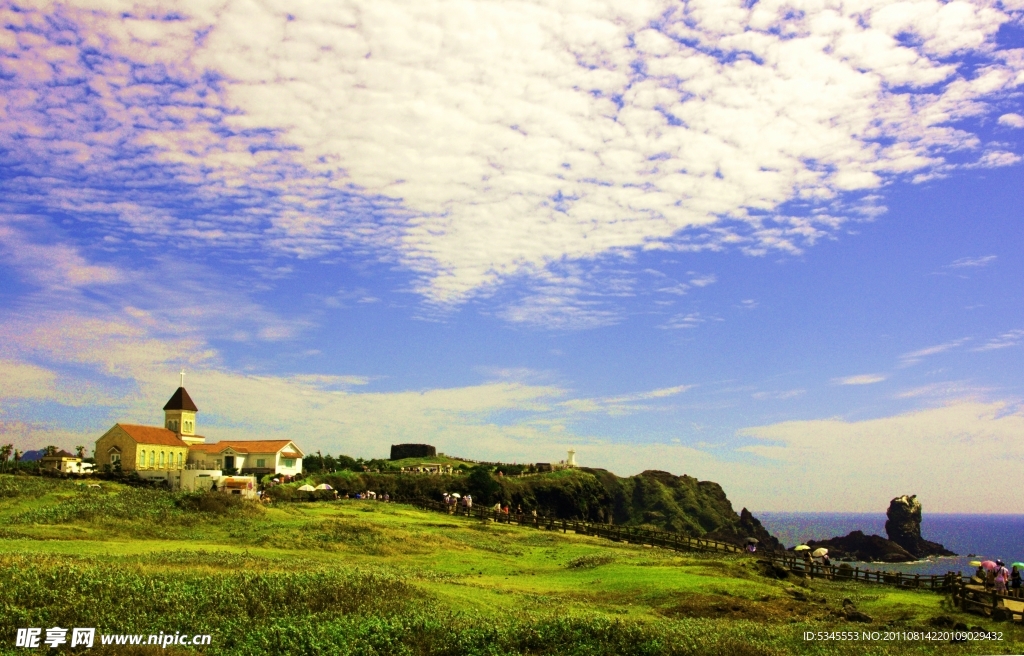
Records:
x=988, y=564
x=456, y=495
x=819, y=552
x=307, y=488
x=975, y=563
x=1019, y=566
x=324, y=486
x=752, y=540
x=801, y=547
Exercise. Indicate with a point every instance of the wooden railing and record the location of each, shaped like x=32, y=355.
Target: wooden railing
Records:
x=976, y=599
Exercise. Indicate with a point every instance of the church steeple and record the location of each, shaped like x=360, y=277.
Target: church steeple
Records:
x=180, y=415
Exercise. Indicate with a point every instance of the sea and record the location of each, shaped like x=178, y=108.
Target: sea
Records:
x=972, y=537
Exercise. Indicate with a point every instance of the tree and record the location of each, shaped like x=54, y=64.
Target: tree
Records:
x=482, y=485
x=80, y=451
x=5, y=455
x=50, y=450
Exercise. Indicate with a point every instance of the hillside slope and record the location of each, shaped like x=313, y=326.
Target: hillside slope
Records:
x=655, y=499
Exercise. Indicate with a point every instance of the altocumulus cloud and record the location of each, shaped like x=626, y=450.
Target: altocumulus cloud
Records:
x=476, y=141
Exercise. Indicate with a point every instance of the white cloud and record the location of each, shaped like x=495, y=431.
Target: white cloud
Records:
x=780, y=395
x=508, y=136
x=914, y=357
x=972, y=262
x=861, y=379
x=836, y=465
x=996, y=158
x=689, y=320
x=1006, y=340
x=945, y=390
x=1012, y=120
x=704, y=281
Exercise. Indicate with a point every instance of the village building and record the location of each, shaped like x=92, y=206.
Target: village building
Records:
x=256, y=457
x=62, y=461
x=175, y=453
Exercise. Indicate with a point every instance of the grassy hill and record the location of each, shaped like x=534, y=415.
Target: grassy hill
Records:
x=364, y=577
x=652, y=499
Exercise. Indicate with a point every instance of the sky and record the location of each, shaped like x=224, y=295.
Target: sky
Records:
x=777, y=245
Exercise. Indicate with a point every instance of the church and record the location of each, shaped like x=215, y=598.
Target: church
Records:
x=155, y=452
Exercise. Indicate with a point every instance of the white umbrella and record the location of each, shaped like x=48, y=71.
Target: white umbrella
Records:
x=801, y=547
x=456, y=495
x=307, y=488
x=819, y=552
x=324, y=486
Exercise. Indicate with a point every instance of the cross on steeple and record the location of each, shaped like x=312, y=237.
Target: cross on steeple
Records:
x=182, y=378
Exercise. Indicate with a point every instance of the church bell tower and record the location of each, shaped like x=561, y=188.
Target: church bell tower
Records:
x=180, y=415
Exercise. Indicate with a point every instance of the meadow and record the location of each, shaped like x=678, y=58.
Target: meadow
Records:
x=365, y=577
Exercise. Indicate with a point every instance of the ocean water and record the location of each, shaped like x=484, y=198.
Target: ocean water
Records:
x=988, y=537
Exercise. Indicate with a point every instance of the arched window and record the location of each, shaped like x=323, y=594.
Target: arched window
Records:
x=152, y=458
x=161, y=459
x=180, y=454
x=142, y=458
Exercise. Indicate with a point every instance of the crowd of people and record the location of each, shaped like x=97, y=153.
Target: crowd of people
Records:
x=999, y=579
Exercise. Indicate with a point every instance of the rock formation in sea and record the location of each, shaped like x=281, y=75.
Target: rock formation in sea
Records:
x=867, y=548
x=903, y=527
x=905, y=543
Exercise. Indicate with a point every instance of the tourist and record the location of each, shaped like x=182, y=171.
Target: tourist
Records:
x=826, y=566
x=979, y=576
x=1002, y=577
x=1015, y=581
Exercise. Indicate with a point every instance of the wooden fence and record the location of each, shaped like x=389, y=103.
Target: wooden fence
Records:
x=976, y=599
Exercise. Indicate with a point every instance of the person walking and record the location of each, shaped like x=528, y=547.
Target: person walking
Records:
x=1015, y=581
x=1002, y=577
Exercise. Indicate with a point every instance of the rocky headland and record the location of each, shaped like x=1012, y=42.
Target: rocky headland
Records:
x=904, y=543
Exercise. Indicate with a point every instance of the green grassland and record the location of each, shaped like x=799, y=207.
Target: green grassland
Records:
x=365, y=577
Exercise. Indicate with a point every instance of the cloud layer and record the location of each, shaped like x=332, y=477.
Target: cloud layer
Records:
x=477, y=141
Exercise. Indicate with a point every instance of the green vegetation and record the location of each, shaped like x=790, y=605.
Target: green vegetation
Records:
x=355, y=577
x=652, y=499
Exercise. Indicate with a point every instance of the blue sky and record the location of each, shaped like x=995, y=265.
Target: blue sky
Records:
x=772, y=244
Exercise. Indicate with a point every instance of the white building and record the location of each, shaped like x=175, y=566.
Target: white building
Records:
x=255, y=457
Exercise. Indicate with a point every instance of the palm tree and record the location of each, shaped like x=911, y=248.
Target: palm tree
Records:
x=5, y=455
x=51, y=450
x=80, y=451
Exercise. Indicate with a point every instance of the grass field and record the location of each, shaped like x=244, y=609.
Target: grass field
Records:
x=364, y=577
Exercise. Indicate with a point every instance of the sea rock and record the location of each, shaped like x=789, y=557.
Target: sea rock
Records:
x=748, y=526
x=903, y=527
x=868, y=548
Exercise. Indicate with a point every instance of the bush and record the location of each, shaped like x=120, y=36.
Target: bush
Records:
x=218, y=503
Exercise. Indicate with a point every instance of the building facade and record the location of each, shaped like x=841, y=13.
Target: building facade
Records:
x=166, y=452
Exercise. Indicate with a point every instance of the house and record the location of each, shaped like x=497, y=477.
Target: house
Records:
x=62, y=461
x=256, y=457
x=175, y=453
x=142, y=449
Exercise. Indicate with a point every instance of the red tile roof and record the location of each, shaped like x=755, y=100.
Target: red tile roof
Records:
x=249, y=446
x=152, y=435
